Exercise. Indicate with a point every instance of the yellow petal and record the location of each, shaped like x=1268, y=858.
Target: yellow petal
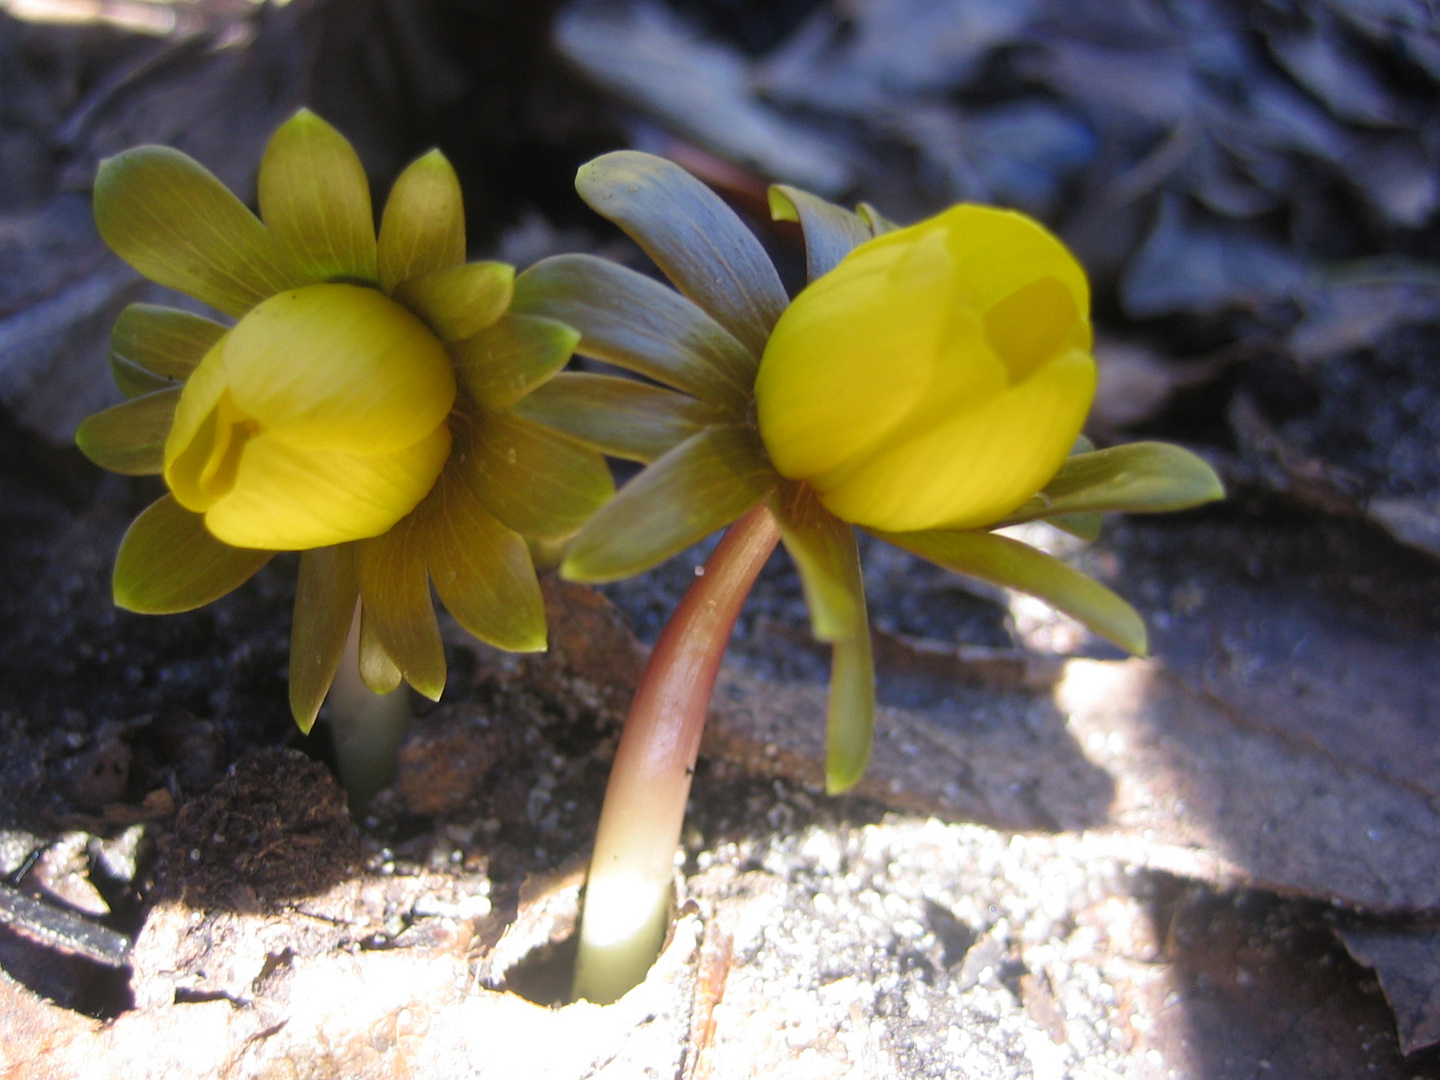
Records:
x=338, y=367
x=863, y=351
x=978, y=466
x=289, y=498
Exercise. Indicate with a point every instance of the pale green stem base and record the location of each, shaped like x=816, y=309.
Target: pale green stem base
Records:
x=627, y=896
x=367, y=728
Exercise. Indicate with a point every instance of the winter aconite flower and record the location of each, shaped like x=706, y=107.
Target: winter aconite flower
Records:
x=928, y=386
x=358, y=411
x=936, y=378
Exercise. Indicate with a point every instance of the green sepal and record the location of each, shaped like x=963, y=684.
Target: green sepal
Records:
x=826, y=555
x=505, y=361
x=151, y=345
x=532, y=479
x=824, y=551
x=459, y=301
x=130, y=438
x=482, y=570
x=395, y=594
x=692, y=236
x=325, y=597
x=168, y=562
x=134, y=381
x=636, y=323
x=850, y=714
x=1085, y=526
x=172, y=220
x=378, y=671
x=702, y=485
x=1138, y=478
x=831, y=232
x=624, y=418
x=876, y=222
x=423, y=226
x=1009, y=563
x=315, y=200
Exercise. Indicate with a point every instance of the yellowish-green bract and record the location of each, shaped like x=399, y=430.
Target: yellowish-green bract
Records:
x=936, y=378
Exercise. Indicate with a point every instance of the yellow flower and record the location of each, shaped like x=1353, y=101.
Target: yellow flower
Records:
x=319, y=419
x=936, y=378
x=927, y=386
x=360, y=410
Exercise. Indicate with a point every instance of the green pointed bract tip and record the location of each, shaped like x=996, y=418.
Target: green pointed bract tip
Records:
x=174, y=222
x=700, y=486
x=169, y=563
x=831, y=232
x=315, y=201
x=1013, y=565
x=699, y=242
x=130, y=438
x=422, y=228
x=1137, y=478
x=638, y=324
x=325, y=597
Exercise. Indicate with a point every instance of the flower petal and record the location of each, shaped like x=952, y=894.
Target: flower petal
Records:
x=482, y=571
x=636, y=323
x=536, y=481
x=423, y=227
x=460, y=300
x=1085, y=526
x=972, y=469
x=163, y=341
x=169, y=562
x=505, y=361
x=850, y=715
x=130, y=438
x=702, y=485
x=831, y=232
x=1138, y=478
x=341, y=367
x=290, y=498
x=168, y=217
x=823, y=548
x=315, y=200
x=698, y=241
x=624, y=418
x=378, y=671
x=325, y=597
x=395, y=594
x=1002, y=561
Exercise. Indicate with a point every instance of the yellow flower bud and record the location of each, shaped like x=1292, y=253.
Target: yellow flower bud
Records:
x=319, y=419
x=937, y=377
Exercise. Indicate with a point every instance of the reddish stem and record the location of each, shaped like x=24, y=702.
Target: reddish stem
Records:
x=628, y=892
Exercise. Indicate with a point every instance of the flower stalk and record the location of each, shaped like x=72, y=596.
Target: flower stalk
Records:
x=628, y=892
x=366, y=727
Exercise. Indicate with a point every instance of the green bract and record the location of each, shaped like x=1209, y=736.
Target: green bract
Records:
x=707, y=458
x=362, y=409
